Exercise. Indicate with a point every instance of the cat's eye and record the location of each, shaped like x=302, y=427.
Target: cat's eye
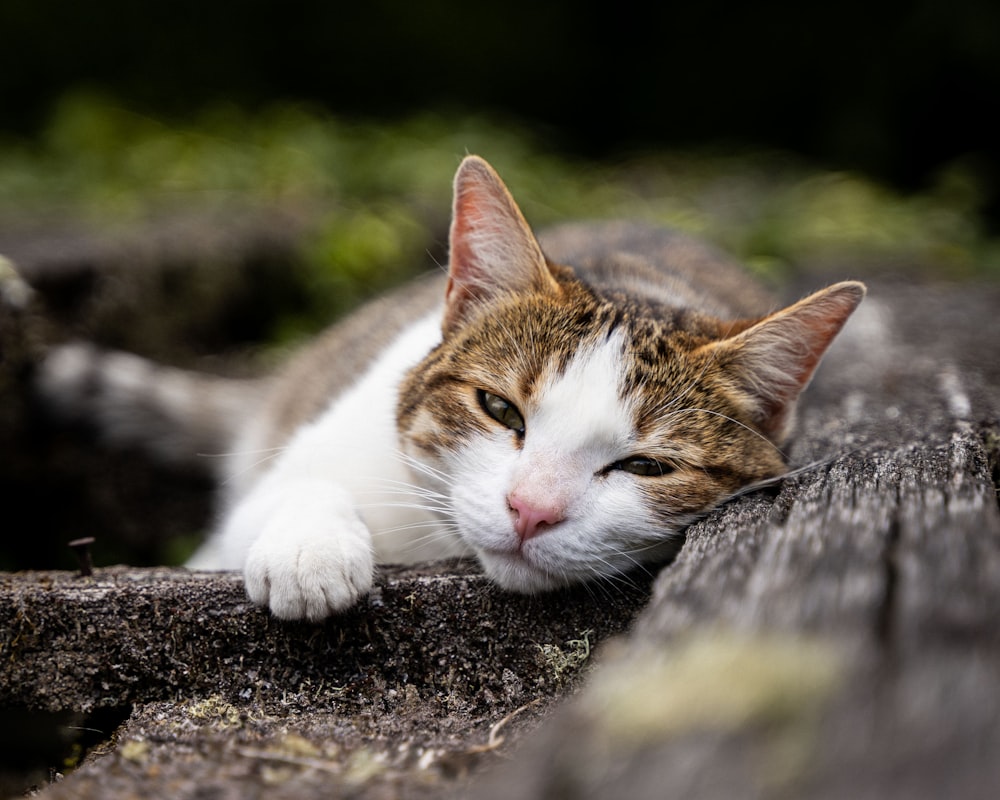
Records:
x=502, y=410
x=642, y=465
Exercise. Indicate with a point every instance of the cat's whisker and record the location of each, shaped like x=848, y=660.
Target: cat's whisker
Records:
x=677, y=398
x=434, y=509
x=438, y=530
x=634, y=554
x=437, y=536
x=592, y=586
x=620, y=581
x=599, y=569
x=395, y=486
x=424, y=467
x=758, y=434
x=404, y=490
x=613, y=577
x=417, y=464
x=776, y=480
x=628, y=555
x=272, y=453
x=613, y=572
x=231, y=453
x=439, y=533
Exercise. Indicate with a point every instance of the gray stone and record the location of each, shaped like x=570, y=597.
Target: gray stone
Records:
x=414, y=685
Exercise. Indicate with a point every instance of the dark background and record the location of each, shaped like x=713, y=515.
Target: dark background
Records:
x=893, y=89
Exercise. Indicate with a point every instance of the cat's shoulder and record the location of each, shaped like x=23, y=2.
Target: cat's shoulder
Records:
x=334, y=360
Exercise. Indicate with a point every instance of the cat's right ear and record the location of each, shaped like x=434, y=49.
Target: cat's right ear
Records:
x=492, y=251
x=773, y=360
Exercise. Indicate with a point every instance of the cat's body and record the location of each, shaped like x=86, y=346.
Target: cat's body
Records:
x=560, y=424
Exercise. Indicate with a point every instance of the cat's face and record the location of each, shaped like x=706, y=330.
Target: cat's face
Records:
x=574, y=434
x=573, y=443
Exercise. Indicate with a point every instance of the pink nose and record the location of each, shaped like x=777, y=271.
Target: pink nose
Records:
x=531, y=517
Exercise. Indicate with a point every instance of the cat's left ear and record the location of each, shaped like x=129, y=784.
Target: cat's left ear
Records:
x=492, y=251
x=774, y=359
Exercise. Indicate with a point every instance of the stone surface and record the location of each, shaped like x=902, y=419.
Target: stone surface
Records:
x=407, y=686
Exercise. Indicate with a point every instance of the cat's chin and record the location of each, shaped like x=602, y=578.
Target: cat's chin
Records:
x=512, y=571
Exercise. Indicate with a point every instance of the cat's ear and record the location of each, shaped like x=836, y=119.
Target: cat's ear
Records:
x=774, y=359
x=492, y=251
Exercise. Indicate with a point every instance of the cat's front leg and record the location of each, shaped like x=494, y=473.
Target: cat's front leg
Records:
x=308, y=553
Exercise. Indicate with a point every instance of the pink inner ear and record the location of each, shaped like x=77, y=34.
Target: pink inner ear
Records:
x=471, y=232
x=815, y=334
x=472, y=225
x=776, y=358
x=461, y=258
x=492, y=249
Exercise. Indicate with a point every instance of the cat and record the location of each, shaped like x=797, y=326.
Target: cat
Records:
x=561, y=412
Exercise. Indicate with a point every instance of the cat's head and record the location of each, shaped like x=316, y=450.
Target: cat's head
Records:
x=577, y=434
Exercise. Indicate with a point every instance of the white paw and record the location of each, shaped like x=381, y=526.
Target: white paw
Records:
x=307, y=553
x=309, y=576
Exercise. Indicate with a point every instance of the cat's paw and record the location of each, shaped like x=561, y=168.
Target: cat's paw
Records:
x=309, y=576
x=305, y=552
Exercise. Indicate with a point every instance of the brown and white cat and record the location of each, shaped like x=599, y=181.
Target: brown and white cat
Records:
x=561, y=412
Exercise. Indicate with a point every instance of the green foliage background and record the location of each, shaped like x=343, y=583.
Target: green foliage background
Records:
x=377, y=194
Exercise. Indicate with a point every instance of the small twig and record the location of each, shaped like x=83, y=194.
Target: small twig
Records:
x=494, y=739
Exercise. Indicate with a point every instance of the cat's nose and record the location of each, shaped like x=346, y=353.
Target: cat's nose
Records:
x=531, y=518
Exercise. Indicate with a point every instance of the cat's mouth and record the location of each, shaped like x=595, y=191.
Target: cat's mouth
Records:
x=515, y=570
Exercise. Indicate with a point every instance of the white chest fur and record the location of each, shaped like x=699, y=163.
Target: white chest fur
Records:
x=352, y=449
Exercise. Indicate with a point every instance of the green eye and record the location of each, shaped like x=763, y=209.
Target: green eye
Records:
x=641, y=465
x=503, y=411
